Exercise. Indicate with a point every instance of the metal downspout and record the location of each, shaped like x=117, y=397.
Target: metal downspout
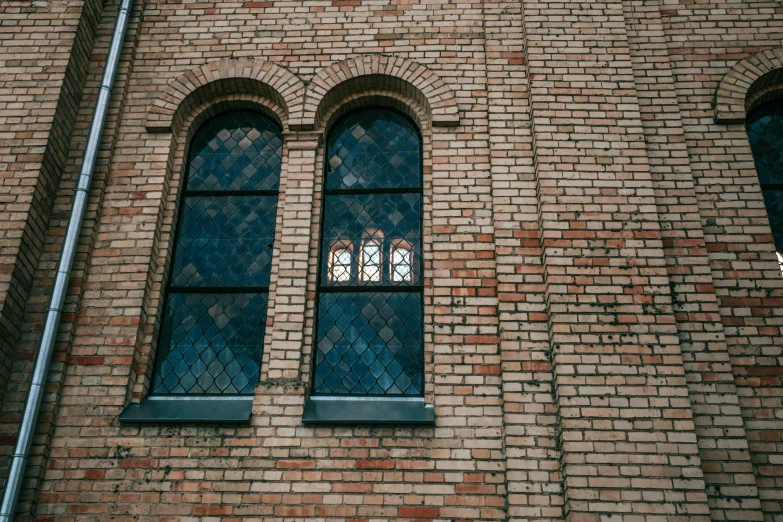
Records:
x=53, y=312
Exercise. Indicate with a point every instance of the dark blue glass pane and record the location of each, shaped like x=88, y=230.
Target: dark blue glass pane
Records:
x=211, y=344
x=774, y=201
x=373, y=149
x=236, y=151
x=391, y=221
x=225, y=241
x=765, y=132
x=369, y=343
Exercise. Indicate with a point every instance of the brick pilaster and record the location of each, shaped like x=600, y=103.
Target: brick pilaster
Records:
x=284, y=347
x=626, y=429
x=723, y=444
x=533, y=473
x=43, y=50
x=743, y=263
x=94, y=37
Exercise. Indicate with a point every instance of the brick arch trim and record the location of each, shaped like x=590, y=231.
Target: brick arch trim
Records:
x=227, y=76
x=377, y=71
x=755, y=72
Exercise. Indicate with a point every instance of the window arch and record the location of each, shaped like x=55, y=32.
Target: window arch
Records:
x=212, y=333
x=369, y=338
x=765, y=133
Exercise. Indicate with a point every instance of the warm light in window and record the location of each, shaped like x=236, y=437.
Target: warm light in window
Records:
x=340, y=262
x=401, y=262
x=371, y=260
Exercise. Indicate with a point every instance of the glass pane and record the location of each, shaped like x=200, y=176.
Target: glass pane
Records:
x=765, y=132
x=369, y=343
x=211, y=344
x=225, y=241
x=401, y=262
x=774, y=201
x=373, y=149
x=236, y=151
x=371, y=260
x=385, y=219
x=340, y=263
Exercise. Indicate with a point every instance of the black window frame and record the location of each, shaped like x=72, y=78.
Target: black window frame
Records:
x=170, y=289
x=351, y=287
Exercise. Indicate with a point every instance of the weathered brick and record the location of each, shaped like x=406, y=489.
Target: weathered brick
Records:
x=602, y=299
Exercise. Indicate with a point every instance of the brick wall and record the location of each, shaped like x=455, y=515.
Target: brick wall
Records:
x=602, y=300
x=44, y=52
x=733, y=218
x=94, y=32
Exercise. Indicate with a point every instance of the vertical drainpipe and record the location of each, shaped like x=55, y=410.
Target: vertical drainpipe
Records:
x=40, y=371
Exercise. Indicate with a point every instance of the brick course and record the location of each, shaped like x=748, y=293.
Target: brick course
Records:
x=602, y=297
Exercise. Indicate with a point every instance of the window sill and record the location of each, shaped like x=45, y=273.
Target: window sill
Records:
x=368, y=410
x=189, y=410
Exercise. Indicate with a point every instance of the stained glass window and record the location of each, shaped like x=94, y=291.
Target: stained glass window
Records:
x=212, y=335
x=765, y=132
x=369, y=331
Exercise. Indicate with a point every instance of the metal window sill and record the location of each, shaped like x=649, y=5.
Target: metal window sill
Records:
x=189, y=410
x=368, y=410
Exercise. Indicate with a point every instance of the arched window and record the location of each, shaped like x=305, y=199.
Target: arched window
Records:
x=369, y=335
x=212, y=335
x=765, y=132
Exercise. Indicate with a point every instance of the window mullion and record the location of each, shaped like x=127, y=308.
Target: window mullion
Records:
x=218, y=289
x=227, y=193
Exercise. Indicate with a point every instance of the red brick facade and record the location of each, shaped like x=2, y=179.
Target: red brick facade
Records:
x=603, y=302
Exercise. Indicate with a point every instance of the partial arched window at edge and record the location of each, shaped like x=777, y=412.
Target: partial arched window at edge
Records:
x=212, y=335
x=370, y=303
x=765, y=132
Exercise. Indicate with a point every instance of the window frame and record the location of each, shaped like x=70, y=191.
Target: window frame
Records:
x=751, y=118
x=169, y=289
x=385, y=404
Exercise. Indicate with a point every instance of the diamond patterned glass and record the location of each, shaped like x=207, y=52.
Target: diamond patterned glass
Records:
x=765, y=133
x=213, y=344
x=236, y=151
x=370, y=260
x=369, y=344
x=212, y=335
x=401, y=262
x=225, y=241
x=374, y=149
x=371, y=222
x=369, y=337
x=340, y=262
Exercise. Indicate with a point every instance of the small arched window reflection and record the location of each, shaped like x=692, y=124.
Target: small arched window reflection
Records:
x=340, y=261
x=370, y=258
x=212, y=335
x=765, y=132
x=370, y=303
x=401, y=261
